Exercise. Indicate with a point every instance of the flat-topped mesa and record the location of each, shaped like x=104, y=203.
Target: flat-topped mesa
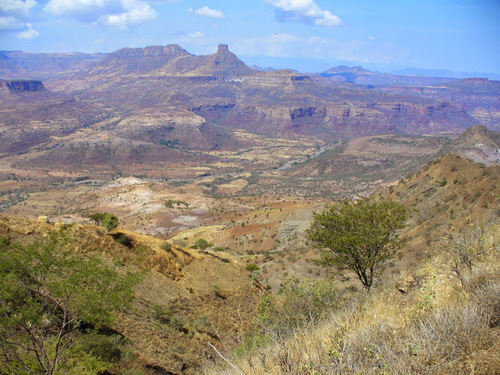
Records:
x=168, y=50
x=22, y=85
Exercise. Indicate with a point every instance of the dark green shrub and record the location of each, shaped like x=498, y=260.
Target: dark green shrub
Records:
x=123, y=239
x=107, y=348
x=165, y=316
x=4, y=241
x=202, y=244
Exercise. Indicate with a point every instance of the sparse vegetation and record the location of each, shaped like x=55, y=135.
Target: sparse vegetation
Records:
x=166, y=246
x=207, y=297
x=123, y=239
x=430, y=328
x=98, y=217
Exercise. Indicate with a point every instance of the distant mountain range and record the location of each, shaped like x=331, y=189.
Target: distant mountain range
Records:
x=19, y=64
x=444, y=73
x=162, y=100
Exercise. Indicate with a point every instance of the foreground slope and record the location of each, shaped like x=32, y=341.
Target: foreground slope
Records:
x=421, y=318
x=185, y=299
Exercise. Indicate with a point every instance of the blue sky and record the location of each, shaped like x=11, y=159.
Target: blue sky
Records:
x=307, y=35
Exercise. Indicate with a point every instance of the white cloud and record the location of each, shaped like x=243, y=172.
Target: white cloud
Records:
x=119, y=14
x=28, y=34
x=15, y=13
x=197, y=34
x=206, y=11
x=16, y=7
x=306, y=11
x=10, y=24
x=318, y=48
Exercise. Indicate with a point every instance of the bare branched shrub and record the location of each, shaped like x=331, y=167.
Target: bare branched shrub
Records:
x=463, y=250
x=449, y=334
x=370, y=348
x=487, y=295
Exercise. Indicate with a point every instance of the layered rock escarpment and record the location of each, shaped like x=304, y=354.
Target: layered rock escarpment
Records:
x=21, y=85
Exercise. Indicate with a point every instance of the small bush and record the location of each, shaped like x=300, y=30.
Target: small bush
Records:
x=297, y=303
x=463, y=250
x=450, y=333
x=202, y=244
x=166, y=246
x=4, y=241
x=107, y=348
x=165, y=316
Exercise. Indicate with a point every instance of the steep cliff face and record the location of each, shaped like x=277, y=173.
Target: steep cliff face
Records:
x=479, y=98
x=345, y=120
x=22, y=85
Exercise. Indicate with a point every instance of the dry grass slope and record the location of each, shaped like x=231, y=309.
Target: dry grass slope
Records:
x=434, y=326
x=420, y=319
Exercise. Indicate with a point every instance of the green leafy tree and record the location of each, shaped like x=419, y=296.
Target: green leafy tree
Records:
x=110, y=222
x=202, y=244
x=98, y=217
x=252, y=267
x=47, y=291
x=359, y=236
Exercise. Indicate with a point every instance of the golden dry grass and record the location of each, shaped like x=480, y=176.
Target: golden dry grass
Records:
x=433, y=328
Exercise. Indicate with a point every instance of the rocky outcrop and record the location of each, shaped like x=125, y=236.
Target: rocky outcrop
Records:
x=477, y=144
x=223, y=64
x=212, y=112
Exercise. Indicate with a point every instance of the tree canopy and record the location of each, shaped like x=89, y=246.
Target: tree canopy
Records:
x=110, y=222
x=47, y=292
x=359, y=236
